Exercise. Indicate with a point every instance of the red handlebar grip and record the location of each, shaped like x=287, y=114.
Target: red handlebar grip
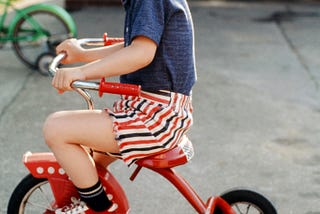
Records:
x=111, y=40
x=118, y=88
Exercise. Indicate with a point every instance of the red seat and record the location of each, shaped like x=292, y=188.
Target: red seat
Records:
x=178, y=155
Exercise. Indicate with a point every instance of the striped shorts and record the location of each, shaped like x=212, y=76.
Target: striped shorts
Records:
x=150, y=124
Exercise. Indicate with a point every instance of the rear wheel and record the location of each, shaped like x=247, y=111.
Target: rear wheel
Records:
x=39, y=32
x=247, y=202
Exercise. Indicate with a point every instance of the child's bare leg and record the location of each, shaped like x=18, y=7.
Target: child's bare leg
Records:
x=66, y=131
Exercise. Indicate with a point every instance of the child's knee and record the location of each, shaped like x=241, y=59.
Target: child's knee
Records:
x=50, y=129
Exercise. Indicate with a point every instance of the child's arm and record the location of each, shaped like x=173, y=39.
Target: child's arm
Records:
x=75, y=53
x=94, y=54
x=138, y=55
x=125, y=60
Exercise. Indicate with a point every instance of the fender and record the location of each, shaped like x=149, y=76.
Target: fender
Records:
x=59, y=11
x=43, y=165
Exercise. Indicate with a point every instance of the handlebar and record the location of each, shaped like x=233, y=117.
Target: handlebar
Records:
x=102, y=86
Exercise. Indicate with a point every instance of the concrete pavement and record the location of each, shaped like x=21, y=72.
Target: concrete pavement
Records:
x=257, y=107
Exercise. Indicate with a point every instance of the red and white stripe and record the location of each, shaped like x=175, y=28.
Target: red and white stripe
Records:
x=151, y=123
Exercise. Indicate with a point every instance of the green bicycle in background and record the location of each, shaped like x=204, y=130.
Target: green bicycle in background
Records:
x=35, y=31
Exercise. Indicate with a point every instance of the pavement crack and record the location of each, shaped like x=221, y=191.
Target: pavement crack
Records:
x=296, y=51
x=15, y=97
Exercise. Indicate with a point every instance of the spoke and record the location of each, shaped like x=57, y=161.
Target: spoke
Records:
x=40, y=192
x=43, y=207
x=243, y=208
x=248, y=208
x=46, y=196
x=237, y=207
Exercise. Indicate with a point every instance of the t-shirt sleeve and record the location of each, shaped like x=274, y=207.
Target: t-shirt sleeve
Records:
x=148, y=20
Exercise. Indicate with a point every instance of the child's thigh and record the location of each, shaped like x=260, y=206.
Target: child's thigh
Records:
x=86, y=127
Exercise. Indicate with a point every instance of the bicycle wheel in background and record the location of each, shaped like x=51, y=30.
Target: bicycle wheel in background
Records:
x=247, y=201
x=38, y=33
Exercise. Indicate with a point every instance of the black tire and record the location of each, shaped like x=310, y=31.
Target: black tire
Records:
x=54, y=30
x=32, y=195
x=247, y=201
x=43, y=62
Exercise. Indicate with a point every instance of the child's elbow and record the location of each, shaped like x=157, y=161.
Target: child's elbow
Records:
x=147, y=57
x=145, y=50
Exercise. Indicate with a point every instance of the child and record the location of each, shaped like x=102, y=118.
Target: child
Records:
x=158, y=54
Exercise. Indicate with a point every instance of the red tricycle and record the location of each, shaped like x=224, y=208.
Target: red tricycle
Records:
x=47, y=188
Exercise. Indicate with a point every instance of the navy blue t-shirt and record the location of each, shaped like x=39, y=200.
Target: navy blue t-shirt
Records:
x=169, y=24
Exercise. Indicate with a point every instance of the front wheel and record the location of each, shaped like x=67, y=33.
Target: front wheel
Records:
x=248, y=202
x=38, y=32
x=36, y=195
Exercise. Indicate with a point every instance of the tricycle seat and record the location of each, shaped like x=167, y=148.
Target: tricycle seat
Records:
x=178, y=155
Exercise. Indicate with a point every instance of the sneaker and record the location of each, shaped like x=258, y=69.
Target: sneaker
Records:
x=76, y=207
x=79, y=207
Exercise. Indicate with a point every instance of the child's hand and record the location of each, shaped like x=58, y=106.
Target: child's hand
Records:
x=64, y=77
x=72, y=49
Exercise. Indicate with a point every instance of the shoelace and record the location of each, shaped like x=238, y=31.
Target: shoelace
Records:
x=76, y=207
